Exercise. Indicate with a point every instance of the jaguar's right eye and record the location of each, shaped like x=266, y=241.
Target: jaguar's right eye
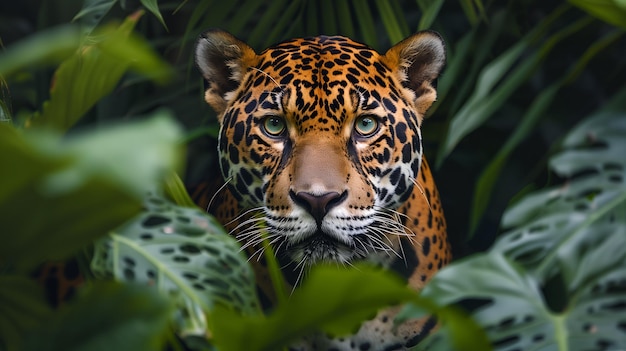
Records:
x=273, y=125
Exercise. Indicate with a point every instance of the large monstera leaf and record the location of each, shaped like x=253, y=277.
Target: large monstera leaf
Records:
x=186, y=255
x=556, y=279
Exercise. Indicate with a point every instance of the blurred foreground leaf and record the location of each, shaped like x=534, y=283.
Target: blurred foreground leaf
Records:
x=331, y=300
x=22, y=307
x=94, y=70
x=58, y=195
x=107, y=316
x=610, y=11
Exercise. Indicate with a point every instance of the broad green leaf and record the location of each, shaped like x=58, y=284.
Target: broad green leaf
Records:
x=331, y=299
x=76, y=188
x=610, y=11
x=593, y=156
x=185, y=254
x=43, y=48
x=94, y=71
x=22, y=307
x=153, y=6
x=555, y=281
x=107, y=316
x=512, y=306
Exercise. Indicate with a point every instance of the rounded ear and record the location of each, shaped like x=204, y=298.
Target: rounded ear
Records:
x=223, y=60
x=418, y=60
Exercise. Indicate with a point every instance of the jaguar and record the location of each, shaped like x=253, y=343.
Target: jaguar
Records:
x=320, y=151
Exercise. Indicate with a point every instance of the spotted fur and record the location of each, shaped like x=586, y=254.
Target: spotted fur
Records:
x=320, y=146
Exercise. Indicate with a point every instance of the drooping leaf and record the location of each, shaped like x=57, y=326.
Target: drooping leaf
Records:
x=94, y=71
x=610, y=11
x=186, y=255
x=153, y=6
x=107, y=316
x=22, y=308
x=492, y=90
x=58, y=195
x=43, y=48
x=539, y=106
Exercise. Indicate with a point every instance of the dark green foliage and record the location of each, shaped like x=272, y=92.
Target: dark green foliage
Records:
x=520, y=74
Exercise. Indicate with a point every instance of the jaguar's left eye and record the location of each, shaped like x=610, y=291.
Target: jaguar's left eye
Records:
x=274, y=125
x=366, y=125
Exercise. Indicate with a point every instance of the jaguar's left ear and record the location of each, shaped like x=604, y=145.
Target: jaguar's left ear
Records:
x=419, y=60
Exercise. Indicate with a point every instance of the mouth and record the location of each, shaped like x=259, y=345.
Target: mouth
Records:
x=319, y=247
x=320, y=239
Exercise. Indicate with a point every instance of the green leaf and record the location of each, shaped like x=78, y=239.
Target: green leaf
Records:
x=430, y=10
x=92, y=12
x=346, y=24
x=366, y=22
x=153, y=6
x=556, y=279
x=497, y=82
x=491, y=173
x=77, y=188
x=94, y=71
x=391, y=21
x=107, y=316
x=185, y=254
x=176, y=191
x=513, y=311
x=47, y=47
x=22, y=308
x=331, y=299
x=595, y=149
x=610, y=11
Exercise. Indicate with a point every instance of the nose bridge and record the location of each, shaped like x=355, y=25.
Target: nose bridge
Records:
x=319, y=167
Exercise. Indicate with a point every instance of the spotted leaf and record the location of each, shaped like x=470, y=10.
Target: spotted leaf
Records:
x=185, y=254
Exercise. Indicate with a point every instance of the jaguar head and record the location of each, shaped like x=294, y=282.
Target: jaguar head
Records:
x=320, y=138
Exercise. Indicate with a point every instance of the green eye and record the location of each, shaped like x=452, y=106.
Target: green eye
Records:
x=366, y=125
x=273, y=125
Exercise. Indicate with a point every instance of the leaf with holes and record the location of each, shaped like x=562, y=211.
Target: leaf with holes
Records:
x=557, y=279
x=593, y=160
x=510, y=304
x=184, y=253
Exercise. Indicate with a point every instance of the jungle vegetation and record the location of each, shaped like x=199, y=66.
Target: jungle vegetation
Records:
x=103, y=129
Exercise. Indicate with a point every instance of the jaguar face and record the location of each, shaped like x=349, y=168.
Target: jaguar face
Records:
x=320, y=139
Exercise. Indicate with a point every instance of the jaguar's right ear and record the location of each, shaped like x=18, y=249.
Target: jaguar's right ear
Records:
x=223, y=60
